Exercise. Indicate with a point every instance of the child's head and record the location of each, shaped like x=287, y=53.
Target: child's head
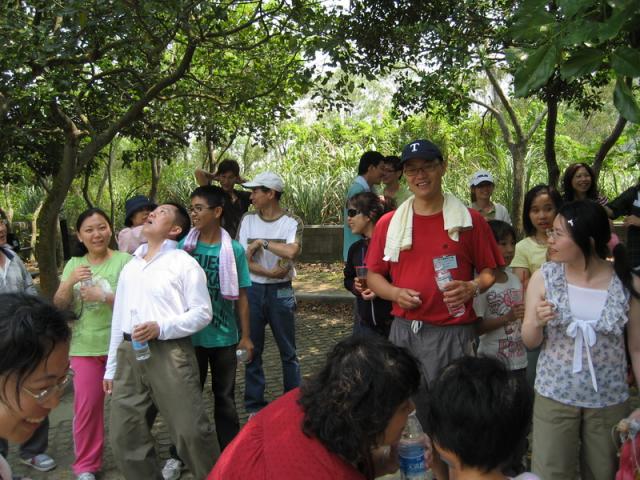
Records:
x=541, y=204
x=137, y=210
x=364, y=210
x=505, y=236
x=207, y=206
x=479, y=413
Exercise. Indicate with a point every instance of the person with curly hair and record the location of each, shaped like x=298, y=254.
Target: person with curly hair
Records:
x=372, y=313
x=336, y=424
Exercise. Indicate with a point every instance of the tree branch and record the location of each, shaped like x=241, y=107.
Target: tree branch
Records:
x=506, y=133
x=608, y=144
x=136, y=109
x=536, y=124
x=505, y=103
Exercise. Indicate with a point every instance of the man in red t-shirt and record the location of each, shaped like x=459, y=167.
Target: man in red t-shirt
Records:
x=431, y=324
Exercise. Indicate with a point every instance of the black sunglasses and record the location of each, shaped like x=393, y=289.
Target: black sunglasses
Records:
x=352, y=212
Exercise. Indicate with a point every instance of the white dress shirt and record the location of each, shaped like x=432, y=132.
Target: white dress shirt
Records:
x=170, y=289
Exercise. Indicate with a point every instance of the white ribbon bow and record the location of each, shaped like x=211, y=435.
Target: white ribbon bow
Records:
x=584, y=335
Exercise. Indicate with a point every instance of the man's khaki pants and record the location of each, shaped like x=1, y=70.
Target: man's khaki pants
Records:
x=563, y=434
x=167, y=382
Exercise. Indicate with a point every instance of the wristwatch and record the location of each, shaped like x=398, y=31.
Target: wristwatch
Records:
x=476, y=292
x=265, y=244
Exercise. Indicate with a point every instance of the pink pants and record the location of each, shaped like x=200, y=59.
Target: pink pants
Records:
x=88, y=413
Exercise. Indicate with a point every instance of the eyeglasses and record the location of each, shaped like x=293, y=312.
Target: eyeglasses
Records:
x=199, y=209
x=352, y=212
x=426, y=168
x=553, y=233
x=44, y=395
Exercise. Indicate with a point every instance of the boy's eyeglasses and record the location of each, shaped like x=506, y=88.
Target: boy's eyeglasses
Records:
x=352, y=212
x=43, y=395
x=199, y=209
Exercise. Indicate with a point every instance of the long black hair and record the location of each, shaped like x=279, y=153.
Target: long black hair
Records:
x=30, y=329
x=588, y=224
x=568, y=194
x=349, y=403
x=80, y=249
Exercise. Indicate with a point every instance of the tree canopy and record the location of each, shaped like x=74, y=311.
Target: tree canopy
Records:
x=75, y=74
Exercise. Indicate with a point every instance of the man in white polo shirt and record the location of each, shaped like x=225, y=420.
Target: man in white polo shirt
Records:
x=168, y=290
x=272, y=239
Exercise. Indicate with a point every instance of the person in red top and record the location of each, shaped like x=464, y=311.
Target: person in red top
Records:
x=335, y=425
x=433, y=232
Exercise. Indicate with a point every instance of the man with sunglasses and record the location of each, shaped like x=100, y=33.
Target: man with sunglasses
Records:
x=369, y=174
x=272, y=238
x=431, y=233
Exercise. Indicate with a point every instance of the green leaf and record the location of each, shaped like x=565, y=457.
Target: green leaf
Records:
x=531, y=24
x=612, y=26
x=536, y=69
x=580, y=32
x=626, y=62
x=581, y=63
x=625, y=103
x=570, y=8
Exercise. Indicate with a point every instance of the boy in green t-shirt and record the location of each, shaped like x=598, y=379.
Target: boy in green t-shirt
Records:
x=216, y=344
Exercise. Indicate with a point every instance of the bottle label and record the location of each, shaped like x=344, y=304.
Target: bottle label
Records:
x=138, y=345
x=412, y=461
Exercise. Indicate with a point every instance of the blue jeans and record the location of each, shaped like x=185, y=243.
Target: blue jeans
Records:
x=273, y=304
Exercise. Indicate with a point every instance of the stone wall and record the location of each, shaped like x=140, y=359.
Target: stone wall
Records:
x=321, y=243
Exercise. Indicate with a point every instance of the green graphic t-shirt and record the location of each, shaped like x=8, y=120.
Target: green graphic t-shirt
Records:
x=223, y=329
x=92, y=331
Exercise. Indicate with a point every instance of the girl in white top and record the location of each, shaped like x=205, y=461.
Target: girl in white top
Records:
x=577, y=306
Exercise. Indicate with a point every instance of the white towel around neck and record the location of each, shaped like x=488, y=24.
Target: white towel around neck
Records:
x=400, y=233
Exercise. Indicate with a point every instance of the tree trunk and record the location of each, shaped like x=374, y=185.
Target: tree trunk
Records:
x=607, y=144
x=211, y=156
x=553, y=171
x=34, y=230
x=48, y=219
x=155, y=178
x=85, y=189
x=112, y=155
x=518, y=155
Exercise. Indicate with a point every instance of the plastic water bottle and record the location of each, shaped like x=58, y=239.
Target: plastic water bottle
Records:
x=88, y=283
x=442, y=278
x=411, y=451
x=141, y=349
x=242, y=354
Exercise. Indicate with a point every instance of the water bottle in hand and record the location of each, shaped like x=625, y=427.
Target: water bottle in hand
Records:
x=242, y=354
x=442, y=278
x=88, y=283
x=141, y=349
x=411, y=451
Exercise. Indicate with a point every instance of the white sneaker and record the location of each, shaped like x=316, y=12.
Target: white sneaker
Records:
x=172, y=469
x=86, y=476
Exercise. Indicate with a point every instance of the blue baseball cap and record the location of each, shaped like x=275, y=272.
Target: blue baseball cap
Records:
x=421, y=149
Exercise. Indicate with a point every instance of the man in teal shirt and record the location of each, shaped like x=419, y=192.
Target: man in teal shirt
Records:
x=369, y=174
